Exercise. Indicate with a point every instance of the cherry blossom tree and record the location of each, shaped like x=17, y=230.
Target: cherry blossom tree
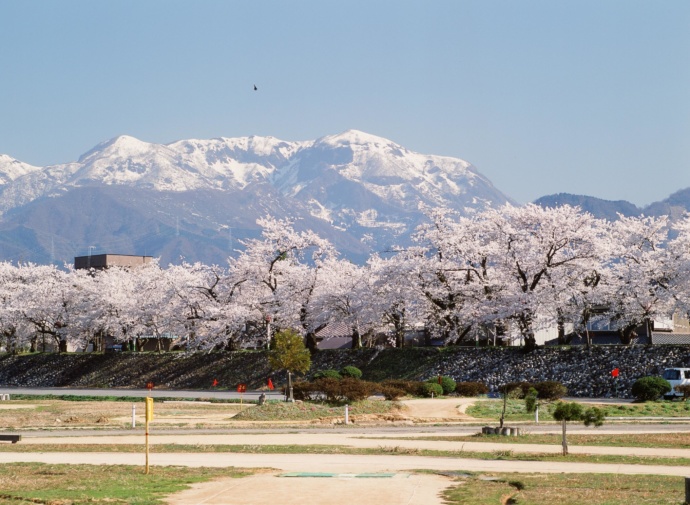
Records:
x=345, y=294
x=453, y=271
x=272, y=268
x=49, y=303
x=13, y=330
x=400, y=306
x=640, y=274
x=679, y=259
x=543, y=255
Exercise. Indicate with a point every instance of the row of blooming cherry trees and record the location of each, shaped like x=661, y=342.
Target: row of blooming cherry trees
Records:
x=512, y=269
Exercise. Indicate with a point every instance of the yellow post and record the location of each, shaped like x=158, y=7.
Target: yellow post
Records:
x=149, y=417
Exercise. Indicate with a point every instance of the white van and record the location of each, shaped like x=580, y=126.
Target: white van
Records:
x=676, y=377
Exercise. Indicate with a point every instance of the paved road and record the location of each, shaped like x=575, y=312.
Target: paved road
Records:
x=337, y=463
x=202, y=393
x=142, y=393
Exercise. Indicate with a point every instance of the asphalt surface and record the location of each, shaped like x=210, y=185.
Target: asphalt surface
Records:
x=143, y=393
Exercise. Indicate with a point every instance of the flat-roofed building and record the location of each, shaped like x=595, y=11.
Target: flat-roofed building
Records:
x=103, y=261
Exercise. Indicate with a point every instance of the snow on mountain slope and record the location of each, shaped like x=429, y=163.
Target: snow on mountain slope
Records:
x=11, y=169
x=242, y=160
x=393, y=172
x=129, y=161
x=358, y=190
x=349, y=178
x=355, y=178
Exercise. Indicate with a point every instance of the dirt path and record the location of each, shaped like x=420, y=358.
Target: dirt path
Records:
x=435, y=409
x=340, y=489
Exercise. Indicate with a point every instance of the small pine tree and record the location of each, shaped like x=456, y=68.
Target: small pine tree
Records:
x=289, y=353
x=570, y=411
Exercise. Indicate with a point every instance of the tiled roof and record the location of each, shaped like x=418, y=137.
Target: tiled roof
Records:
x=335, y=343
x=665, y=338
x=335, y=330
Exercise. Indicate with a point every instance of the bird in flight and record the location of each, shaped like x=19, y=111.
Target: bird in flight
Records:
x=255, y=88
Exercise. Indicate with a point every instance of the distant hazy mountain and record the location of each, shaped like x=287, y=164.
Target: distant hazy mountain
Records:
x=603, y=209
x=197, y=198
x=675, y=205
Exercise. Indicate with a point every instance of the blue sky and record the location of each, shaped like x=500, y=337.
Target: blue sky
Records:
x=583, y=96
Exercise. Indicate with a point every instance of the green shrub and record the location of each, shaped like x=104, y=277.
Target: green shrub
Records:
x=355, y=390
x=303, y=390
x=515, y=389
x=351, y=371
x=429, y=389
x=391, y=392
x=329, y=387
x=339, y=391
x=471, y=388
x=331, y=374
x=567, y=411
x=410, y=388
x=447, y=384
x=650, y=388
x=550, y=390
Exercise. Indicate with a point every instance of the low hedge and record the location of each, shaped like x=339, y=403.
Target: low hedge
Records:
x=470, y=389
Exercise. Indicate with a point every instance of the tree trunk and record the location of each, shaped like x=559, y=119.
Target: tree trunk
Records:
x=561, y=330
x=564, y=442
x=311, y=342
x=291, y=398
x=525, y=325
x=530, y=342
x=505, y=404
x=427, y=337
x=356, y=338
x=627, y=334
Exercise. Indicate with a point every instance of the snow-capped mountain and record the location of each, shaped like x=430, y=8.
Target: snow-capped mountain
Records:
x=359, y=190
x=11, y=169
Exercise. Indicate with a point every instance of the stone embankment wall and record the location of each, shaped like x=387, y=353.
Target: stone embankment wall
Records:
x=586, y=373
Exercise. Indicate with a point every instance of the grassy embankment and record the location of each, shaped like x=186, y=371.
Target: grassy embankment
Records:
x=31, y=483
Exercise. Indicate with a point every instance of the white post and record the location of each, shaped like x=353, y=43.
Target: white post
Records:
x=134, y=413
x=536, y=414
x=347, y=418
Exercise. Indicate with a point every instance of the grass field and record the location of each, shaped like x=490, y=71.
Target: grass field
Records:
x=31, y=483
x=515, y=411
x=103, y=414
x=661, y=440
x=566, y=489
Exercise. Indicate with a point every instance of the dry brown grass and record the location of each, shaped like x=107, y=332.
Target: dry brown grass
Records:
x=21, y=414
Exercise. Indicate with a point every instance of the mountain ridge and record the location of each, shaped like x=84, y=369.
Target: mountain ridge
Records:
x=361, y=191
x=675, y=205
x=196, y=199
